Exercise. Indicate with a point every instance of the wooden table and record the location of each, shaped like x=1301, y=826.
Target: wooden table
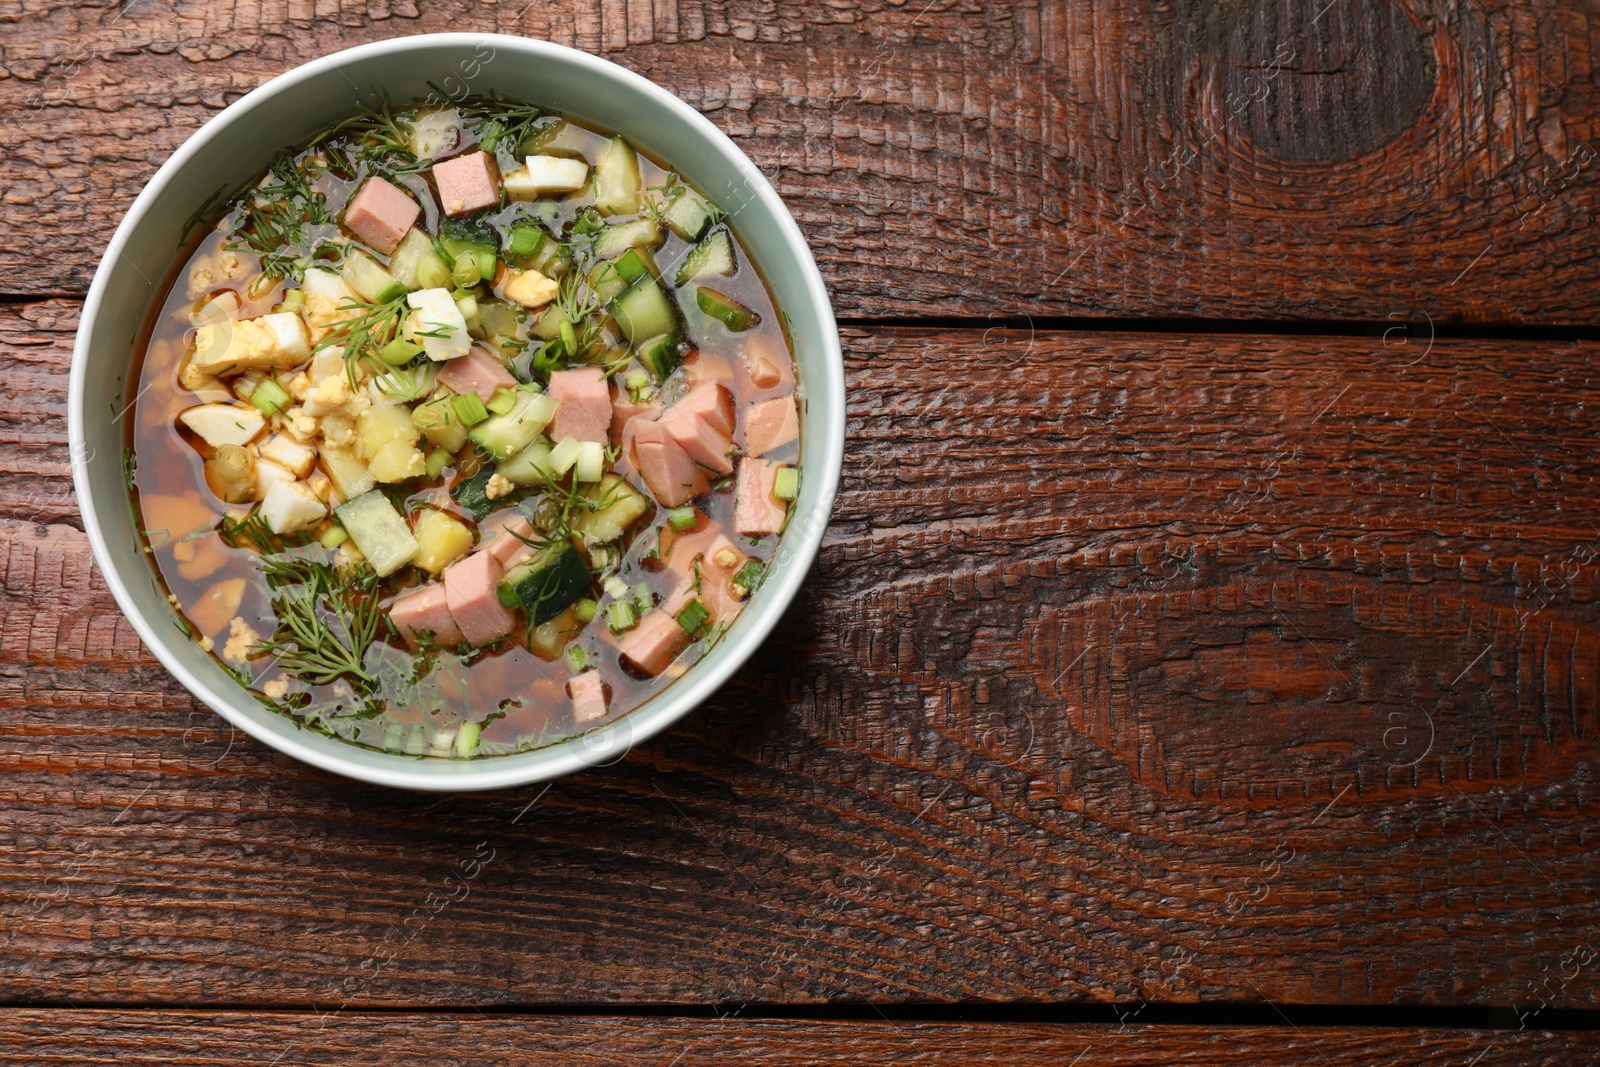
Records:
x=1202, y=666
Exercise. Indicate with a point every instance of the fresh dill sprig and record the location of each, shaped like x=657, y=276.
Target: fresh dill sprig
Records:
x=249, y=530
x=494, y=119
x=377, y=137
x=327, y=619
x=279, y=218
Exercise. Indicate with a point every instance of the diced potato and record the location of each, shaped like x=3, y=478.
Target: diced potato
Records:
x=529, y=288
x=277, y=340
x=549, y=640
x=397, y=461
x=443, y=540
x=438, y=422
x=291, y=454
x=378, y=426
x=217, y=607
x=347, y=472
x=290, y=506
x=224, y=424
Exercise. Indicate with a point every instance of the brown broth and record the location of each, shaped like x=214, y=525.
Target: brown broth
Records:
x=525, y=693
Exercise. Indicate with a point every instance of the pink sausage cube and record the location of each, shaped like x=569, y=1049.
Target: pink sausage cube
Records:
x=472, y=587
x=467, y=183
x=510, y=545
x=422, y=615
x=704, y=368
x=704, y=444
x=585, y=409
x=623, y=411
x=757, y=511
x=654, y=644
x=666, y=468
x=588, y=695
x=711, y=403
x=380, y=214
x=476, y=372
x=680, y=550
x=765, y=365
x=770, y=424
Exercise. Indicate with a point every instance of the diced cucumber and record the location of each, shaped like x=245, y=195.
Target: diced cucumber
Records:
x=505, y=435
x=549, y=582
x=617, y=505
x=643, y=310
x=472, y=236
x=616, y=179
x=725, y=309
x=606, y=281
x=416, y=265
x=661, y=355
x=473, y=494
x=531, y=466
x=714, y=255
x=379, y=531
x=547, y=327
x=690, y=214
x=374, y=284
x=635, y=263
x=618, y=238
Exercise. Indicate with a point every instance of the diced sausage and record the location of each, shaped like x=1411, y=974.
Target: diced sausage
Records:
x=585, y=411
x=757, y=512
x=380, y=214
x=764, y=364
x=704, y=444
x=711, y=403
x=467, y=183
x=654, y=644
x=472, y=586
x=704, y=367
x=510, y=545
x=666, y=468
x=770, y=424
x=624, y=411
x=422, y=615
x=588, y=695
x=476, y=372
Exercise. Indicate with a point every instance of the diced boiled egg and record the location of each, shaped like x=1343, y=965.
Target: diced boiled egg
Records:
x=291, y=454
x=290, y=506
x=439, y=325
x=543, y=175
x=224, y=424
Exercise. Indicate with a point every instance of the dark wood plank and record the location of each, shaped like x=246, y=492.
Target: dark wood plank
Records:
x=34, y=1036
x=1358, y=159
x=1190, y=668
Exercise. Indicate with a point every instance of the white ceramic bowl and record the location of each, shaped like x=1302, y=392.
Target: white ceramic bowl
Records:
x=240, y=142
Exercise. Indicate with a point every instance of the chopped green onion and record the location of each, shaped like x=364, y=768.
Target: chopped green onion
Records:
x=568, y=338
x=683, y=518
x=525, y=240
x=565, y=454
x=269, y=397
x=467, y=738
x=786, y=486
x=469, y=409
x=467, y=272
x=615, y=587
x=693, y=616
x=620, y=616
x=643, y=597
x=293, y=301
x=585, y=610
x=468, y=306
x=438, y=460
x=591, y=463
x=333, y=537
x=577, y=658
x=749, y=574
x=399, y=352
x=507, y=595
x=503, y=400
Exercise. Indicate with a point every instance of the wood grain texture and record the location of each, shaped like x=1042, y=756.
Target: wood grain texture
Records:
x=1134, y=666
x=469, y=1040
x=1417, y=159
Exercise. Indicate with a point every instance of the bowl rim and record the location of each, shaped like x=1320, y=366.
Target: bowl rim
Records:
x=799, y=544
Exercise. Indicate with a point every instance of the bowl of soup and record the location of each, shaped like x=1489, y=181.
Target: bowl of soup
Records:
x=454, y=412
